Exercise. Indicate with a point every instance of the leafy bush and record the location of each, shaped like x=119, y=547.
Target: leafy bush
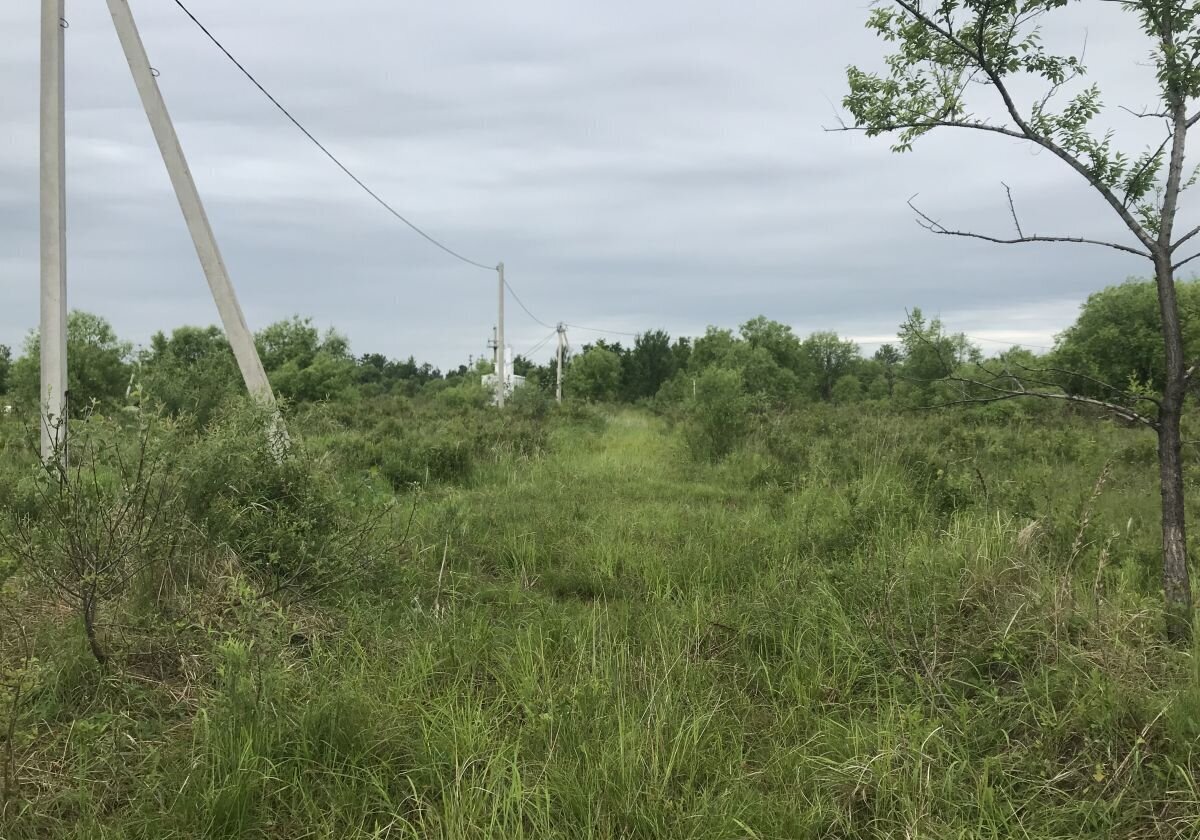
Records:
x=848, y=389
x=464, y=396
x=719, y=417
x=290, y=524
x=531, y=403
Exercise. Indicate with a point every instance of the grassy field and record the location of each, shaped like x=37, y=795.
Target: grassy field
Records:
x=857, y=625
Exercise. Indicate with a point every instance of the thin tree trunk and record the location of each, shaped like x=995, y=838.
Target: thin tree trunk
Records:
x=1177, y=586
x=89, y=628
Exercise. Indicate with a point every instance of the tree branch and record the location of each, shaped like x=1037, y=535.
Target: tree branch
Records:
x=999, y=394
x=1027, y=131
x=934, y=226
x=1144, y=114
x=1012, y=207
x=1182, y=263
x=1187, y=236
x=936, y=123
x=1118, y=391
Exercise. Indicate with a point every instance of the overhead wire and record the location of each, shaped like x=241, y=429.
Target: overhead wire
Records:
x=372, y=193
x=359, y=181
x=521, y=304
x=598, y=330
x=412, y=225
x=575, y=326
x=1007, y=343
x=539, y=345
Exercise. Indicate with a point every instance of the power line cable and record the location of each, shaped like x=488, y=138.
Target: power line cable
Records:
x=598, y=330
x=521, y=304
x=362, y=184
x=576, y=326
x=539, y=345
x=324, y=149
x=414, y=227
x=1007, y=343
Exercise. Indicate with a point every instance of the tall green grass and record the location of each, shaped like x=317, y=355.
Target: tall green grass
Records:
x=854, y=625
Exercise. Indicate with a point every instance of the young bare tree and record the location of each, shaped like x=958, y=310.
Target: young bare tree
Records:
x=955, y=57
x=101, y=521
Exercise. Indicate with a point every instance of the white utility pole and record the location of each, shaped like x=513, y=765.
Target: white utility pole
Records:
x=236, y=330
x=501, y=361
x=53, y=221
x=562, y=340
x=493, y=345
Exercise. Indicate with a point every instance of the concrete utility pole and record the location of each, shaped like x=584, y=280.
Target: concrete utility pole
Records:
x=501, y=361
x=53, y=222
x=234, y=322
x=494, y=346
x=562, y=341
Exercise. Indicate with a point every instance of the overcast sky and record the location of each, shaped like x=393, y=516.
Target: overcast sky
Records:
x=635, y=165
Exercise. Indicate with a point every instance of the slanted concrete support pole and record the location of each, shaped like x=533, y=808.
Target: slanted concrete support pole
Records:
x=234, y=322
x=241, y=339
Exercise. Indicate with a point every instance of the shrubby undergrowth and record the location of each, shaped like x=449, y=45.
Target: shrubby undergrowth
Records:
x=848, y=621
x=788, y=598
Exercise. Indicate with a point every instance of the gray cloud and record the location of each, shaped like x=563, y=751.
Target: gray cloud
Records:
x=635, y=165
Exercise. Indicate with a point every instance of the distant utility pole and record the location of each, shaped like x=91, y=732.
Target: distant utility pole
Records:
x=501, y=361
x=494, y=345
x=562, y=341
x=53, y=223
x=236, y=330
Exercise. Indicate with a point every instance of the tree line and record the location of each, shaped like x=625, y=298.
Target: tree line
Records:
x=191, y=370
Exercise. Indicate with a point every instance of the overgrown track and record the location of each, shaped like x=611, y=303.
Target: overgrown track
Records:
x=856, y=626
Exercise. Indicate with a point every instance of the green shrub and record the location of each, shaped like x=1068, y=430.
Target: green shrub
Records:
x=718, y=419
x=287, y=520
x=531, y=403
x=848, y=389
x=465, y=396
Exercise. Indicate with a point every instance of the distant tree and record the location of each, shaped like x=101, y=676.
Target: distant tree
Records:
x=295, y=340
x=758, y=362
x=930, y=355
x=949, y=52
x=5, y=367
x=522, y=366
x=1117, y=339
x=889, y=358
x=715, y=347
x=649, y=364
x=777, y=339
x=830, y=358
x=682, y=351
x=880, y=389
x=848, y=389
x=595, y=374
x=98, y=365
x=393, y=376
x=372, y=368
x=192, y=371
x=302, y=364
